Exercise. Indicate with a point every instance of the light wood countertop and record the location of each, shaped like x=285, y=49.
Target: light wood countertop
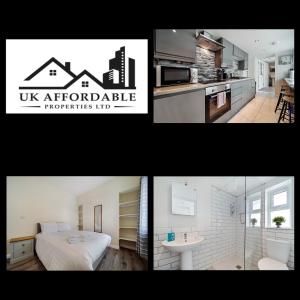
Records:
x=190, y=87
x=290, y=82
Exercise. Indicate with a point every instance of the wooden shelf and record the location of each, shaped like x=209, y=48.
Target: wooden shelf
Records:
x=130, y=203
x=127, y=244
x=127, y=227
x=128, y=216
x=128, y=247
x=124, y=238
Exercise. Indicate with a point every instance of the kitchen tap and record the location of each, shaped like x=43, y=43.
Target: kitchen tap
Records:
x=185, y=236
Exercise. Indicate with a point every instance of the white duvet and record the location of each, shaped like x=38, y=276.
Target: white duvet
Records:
x=56, y=253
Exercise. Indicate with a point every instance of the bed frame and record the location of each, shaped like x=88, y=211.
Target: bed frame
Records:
x=95, y=264
x=38, y=228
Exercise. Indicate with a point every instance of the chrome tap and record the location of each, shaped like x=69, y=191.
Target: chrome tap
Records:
x=185, y=236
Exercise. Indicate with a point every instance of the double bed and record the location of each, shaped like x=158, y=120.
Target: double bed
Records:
x=60, y=248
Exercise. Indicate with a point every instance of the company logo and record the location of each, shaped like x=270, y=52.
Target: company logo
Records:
x=95, y=81
x=55, y=72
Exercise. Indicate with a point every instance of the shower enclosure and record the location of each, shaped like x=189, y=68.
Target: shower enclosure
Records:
x=236, y=218
x=245, y=208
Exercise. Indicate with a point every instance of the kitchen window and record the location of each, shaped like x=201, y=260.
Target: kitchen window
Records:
x=279, y=202
x=254, y=209
x=52, y=72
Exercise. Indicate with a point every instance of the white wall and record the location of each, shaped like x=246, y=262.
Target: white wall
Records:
x=162, y=202
x=106, y=195
x=31, y=200
x=219, y=230
x=282, y=71
x=251, y=66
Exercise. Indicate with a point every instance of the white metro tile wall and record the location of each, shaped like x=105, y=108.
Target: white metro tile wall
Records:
x=219, y=237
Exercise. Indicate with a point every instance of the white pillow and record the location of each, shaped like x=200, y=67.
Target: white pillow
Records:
x=49, y=227
x=63, y=227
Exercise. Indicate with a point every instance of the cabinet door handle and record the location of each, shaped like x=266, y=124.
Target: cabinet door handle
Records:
x=23, y=252
x=23, y=245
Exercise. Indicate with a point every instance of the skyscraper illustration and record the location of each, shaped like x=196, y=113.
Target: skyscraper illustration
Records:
x=117, y=68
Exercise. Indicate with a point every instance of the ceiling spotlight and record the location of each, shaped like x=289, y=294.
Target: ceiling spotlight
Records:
x=174, y=30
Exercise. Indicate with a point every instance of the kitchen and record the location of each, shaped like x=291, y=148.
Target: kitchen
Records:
x=212, y=76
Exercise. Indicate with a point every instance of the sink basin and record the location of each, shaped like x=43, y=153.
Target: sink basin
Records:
x=185, y=249
x=181, y=245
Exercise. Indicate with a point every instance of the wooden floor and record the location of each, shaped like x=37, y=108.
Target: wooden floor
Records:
x=122, y=260
x=259, y=110
x=118, y=260
x=29, y=264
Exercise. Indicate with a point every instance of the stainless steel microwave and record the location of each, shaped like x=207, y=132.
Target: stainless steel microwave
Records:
x=169, y=75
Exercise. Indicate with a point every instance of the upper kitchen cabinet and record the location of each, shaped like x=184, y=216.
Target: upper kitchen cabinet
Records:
x=175, y=44
x=226, y=53
x=243, y=64
x=241, y=56
x=238, y=53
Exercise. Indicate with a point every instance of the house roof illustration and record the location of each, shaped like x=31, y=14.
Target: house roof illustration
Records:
x=48, y=63
x=84, y=72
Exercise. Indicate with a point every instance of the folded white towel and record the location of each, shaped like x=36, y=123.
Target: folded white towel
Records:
x=221, y=99
x=79, y=239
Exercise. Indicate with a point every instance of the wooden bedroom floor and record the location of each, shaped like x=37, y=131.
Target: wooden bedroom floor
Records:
x=29, y=264
x=114, y=260
x=122, y=260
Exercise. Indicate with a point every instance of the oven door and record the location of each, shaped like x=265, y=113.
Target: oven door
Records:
x=174, y=75
x=212, y=111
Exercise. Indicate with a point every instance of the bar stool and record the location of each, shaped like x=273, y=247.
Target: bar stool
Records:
x=284, y=88
x=288, y=108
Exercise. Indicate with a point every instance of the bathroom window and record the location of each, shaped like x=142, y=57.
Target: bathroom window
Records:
x=254, y=210
x=279, y=203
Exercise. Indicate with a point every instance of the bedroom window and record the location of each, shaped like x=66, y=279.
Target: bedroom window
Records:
x=52, y=72
x=85, y=84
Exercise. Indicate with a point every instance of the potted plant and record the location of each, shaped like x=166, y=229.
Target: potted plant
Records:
x=253, y=221
x=278, y=220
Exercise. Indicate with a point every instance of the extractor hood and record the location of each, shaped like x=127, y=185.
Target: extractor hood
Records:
x=204, y=40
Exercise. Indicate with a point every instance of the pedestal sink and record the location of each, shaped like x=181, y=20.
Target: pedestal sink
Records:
x=185, y=247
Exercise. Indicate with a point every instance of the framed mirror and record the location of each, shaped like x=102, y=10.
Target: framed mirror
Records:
x=184, y=200
x=98, y=218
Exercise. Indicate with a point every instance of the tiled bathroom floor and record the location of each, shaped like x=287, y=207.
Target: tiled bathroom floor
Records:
x=231, y=263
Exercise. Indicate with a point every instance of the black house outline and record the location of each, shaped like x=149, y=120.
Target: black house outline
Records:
x=53, y=59
x=75, y=77
x=84, y=72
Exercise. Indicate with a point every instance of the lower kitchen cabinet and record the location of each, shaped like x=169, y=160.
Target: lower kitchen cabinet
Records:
x=241, y=93
x=185, y=107
x=189, y=106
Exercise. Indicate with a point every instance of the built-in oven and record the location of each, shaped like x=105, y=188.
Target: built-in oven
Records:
x=217, y=101
x=169, y=75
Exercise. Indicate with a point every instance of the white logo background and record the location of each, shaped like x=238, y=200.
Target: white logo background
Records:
x=23, y=57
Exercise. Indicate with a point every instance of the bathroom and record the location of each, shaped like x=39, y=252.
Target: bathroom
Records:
x=224, y=223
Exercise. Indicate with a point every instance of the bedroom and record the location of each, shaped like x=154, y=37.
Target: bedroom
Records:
x=77, y=223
